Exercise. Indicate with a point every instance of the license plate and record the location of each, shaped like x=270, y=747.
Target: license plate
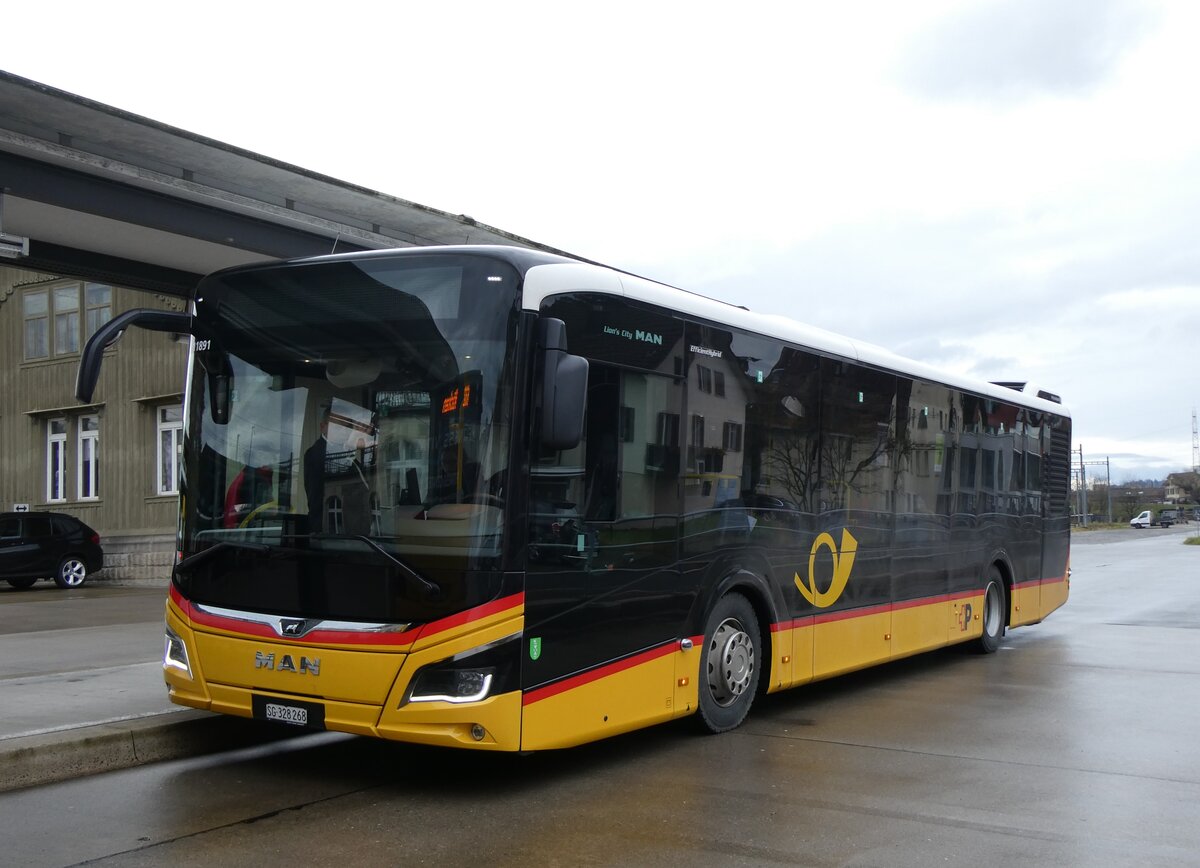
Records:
x=287, y=714
x=310, y=715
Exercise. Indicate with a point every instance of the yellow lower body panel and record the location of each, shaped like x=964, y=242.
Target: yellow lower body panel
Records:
x=919, y=628
x=1026, y=604
x=607, y=703
x=846, y=644
x=1054, y=594
x=450, y=725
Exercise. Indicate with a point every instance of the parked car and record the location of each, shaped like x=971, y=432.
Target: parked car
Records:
x=1167, y=517
x=1142, y=519
x=38, y=545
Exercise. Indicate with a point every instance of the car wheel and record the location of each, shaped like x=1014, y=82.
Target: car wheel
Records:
x=729, y=667
x=22, y=584
x=994, y=607
x=72, y=573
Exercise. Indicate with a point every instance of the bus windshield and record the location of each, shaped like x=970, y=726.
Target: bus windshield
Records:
x=346, y=446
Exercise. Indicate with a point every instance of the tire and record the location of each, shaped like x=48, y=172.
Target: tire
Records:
x=729, y=665
x=72, y=572
x=995, y=609
x=22, y=583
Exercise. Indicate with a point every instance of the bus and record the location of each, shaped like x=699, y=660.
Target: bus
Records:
x=495, y=498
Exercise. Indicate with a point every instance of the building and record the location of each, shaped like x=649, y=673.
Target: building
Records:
x=102, y=211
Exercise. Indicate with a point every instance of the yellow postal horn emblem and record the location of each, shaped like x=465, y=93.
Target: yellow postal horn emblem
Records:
x=843, y=563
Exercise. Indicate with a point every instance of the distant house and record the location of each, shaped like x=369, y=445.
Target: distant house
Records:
x=1182, y=487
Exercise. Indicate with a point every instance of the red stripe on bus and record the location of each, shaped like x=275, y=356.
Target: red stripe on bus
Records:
x=347, y=637
x=599, y=672
x=512, y=601
x=845, y=614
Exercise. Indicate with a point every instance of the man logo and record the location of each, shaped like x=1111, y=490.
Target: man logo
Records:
x=287, y=663
x=288, y=627
x=843, y=563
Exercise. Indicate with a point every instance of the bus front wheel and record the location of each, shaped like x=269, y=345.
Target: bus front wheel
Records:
x=994, y=610
x=729, y=667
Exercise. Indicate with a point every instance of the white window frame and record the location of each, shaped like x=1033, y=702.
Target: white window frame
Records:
x=87, y=459
x=173, y=428
x=334, y=514
x=56, y=461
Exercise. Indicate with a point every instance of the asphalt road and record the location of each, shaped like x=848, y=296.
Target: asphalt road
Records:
x=1073, y=745
x=79, y=656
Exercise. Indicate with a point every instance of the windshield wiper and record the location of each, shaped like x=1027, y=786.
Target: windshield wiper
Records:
x=432, y=589
x=216, y=548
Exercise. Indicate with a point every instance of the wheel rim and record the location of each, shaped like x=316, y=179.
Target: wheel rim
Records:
x=73, y=573
x=730, y=662
x=991, y=610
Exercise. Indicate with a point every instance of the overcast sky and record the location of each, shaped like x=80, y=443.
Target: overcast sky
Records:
x=1007, y=189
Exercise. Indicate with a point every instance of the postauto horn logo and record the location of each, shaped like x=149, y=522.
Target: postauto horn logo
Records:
x=843, y=563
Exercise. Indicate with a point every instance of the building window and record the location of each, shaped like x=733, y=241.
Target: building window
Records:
x=704, y=379
x=333, y=514
x=66, y=319
x=668, y=429
x=732, y=439
x=98, y=298
x=625, y=424
x=56, y=460
x=719, y=383
x=89, y=458
x=697, y=431
x=61, y=305
x=170, y=439
x=37, y=325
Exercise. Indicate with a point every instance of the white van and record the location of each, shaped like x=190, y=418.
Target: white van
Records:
x=1142, y=519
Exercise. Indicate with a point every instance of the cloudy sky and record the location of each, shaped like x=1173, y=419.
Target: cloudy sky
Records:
x=1006, y=188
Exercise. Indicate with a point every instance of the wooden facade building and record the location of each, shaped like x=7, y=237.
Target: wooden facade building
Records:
x=111, y=463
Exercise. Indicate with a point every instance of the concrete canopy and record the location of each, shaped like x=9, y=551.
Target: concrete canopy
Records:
x=105, y=194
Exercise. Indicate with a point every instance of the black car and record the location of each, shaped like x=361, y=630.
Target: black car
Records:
x=37, y=545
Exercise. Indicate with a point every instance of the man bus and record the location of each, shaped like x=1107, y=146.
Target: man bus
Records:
x=503, y=544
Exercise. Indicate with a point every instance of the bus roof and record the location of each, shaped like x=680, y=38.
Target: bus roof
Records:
x=544, y=280
x=548, y=274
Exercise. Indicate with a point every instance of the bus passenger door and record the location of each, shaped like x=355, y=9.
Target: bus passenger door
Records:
x=603, y=602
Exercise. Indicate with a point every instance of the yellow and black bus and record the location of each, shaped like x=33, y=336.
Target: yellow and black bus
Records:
x=495, y=498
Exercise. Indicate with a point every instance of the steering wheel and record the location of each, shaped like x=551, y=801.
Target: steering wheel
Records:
x=255, y=513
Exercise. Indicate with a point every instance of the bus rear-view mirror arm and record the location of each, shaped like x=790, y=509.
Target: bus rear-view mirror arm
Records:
x=220, y=380
x=564, y=387
x=109, y=333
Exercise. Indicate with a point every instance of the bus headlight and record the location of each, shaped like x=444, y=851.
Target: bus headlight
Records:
x=452, y=685
x=175, y=654
x=469, y=677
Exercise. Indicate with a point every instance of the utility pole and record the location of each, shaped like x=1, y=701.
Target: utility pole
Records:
x=1082, y=489
x=1195, y=444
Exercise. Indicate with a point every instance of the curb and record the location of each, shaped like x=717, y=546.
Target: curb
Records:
x=29, y=761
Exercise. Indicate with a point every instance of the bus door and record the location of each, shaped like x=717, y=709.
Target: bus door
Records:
x=849, y=571
x=603, y=603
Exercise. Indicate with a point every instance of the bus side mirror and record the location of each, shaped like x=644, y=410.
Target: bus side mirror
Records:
x=109, y=333
x=564, y=387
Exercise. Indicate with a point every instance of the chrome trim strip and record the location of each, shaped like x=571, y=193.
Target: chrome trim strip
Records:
x=471, y=652
x=297, y=627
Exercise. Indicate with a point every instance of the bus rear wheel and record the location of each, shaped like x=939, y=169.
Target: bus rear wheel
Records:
x=995, y=605
x=729, y=667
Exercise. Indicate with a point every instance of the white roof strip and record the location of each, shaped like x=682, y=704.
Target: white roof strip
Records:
x=544, y=281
